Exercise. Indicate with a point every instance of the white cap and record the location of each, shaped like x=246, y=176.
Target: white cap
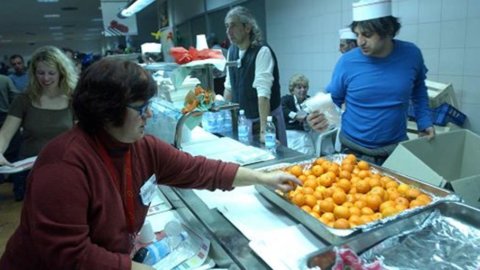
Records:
x=364, y=10
x=346, y=33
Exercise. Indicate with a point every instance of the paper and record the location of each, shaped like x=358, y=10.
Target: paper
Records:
x=283, y=249
x=18, y=166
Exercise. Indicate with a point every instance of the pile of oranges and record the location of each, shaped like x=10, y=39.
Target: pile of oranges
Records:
x=350, y=194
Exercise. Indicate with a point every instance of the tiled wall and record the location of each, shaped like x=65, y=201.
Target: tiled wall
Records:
x=304, y=36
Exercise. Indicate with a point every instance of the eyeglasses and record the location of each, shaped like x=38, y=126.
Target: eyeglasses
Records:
x=142, y=109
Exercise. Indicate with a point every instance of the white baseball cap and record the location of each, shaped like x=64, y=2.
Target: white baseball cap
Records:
x=346, y=33
x=364, y=10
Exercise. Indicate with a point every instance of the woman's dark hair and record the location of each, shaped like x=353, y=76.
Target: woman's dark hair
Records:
x=104, y=90
x=384, y=26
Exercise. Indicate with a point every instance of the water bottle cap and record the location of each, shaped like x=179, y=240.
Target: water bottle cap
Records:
x=269, y=118
x=242, y=111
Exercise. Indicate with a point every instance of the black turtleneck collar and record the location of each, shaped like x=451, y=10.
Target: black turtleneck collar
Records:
x=112, y=145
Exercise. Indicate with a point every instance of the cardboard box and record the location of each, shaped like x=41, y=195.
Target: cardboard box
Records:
x=439, y=93
x=451, y=161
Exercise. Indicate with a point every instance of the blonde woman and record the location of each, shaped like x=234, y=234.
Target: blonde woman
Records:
x=43, y=111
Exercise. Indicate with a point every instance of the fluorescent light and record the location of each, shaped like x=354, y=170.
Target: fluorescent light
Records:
x=97, y=20
x=55, y=27
x=135, y=7
x=47, y=1
x=51, y=16
x=57, y=34
x=94, y=29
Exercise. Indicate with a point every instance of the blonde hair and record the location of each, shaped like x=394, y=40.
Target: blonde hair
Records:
x=245, y=16
x=297, y=79
x=53, y=57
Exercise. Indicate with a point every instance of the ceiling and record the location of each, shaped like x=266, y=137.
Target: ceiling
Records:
x=23, y=26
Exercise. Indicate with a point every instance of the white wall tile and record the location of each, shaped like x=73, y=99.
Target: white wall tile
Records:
x=473, y=9
x=451, y=62
x=429, y=35
x=453, y=34
x=429, y=11
x=409, y=33
x=471, y=110
x=473, y=30
x=472, y=62
x=454, y=9
x=408, y=11
x=431, y=58
x=471, y=89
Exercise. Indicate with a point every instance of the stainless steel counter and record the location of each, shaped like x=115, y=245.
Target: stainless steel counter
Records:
x=230, y=247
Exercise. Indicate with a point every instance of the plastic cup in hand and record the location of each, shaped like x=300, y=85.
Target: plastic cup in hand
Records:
x=146, y=234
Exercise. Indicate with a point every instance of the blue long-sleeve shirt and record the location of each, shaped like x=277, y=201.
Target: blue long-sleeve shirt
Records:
x=377, y=91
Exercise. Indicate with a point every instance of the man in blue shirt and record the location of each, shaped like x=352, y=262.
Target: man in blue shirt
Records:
x=376, y=82
x=20, y=75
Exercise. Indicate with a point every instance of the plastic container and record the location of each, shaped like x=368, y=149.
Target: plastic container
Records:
x=243, y=128
x=160, y=249
x=227, y=123
x=270, y=135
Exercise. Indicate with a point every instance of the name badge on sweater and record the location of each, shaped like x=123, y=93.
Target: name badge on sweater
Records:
x=147, y=191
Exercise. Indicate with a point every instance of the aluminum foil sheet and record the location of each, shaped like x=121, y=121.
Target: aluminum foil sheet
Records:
x=440, y=243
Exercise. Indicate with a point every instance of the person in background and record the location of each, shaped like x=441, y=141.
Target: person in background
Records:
x=7, y=93
x=218, y=75
x=348, y=40
x=88, y=191
x=43, y=111
x=298, y=137
x=3, y=68
x=254, y=81
x=19, y=75
x=376, y=82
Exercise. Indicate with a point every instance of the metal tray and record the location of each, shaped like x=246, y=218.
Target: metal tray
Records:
x=464, y=214
x=336, y=236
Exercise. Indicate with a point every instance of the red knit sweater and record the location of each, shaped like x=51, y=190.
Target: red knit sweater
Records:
x=73, y=216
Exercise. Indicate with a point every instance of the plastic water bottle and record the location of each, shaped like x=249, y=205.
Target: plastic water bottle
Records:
x=243, y=128
x=227, y=123
x=270, y=135
x=160, y=249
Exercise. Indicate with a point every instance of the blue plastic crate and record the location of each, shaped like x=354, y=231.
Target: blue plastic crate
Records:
x=442, y=115
x=447, y=113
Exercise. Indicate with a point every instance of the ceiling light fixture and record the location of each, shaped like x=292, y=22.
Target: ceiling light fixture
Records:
x=47, y=1
x=133, y=7
x=51, y=16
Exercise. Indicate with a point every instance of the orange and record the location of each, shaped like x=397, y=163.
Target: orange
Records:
x=392, y=193
x=355, y=211
x=344, y=184
x=354, y=220
x=307, y=172
x=326, y=206
x=363, y=174
x=341, y=212
x=314, y=214
x=390, y=183
x=347, y=204
x=416, y=203
x=316, y=208
x=339, y=197
x=328, y=217
x=386, y=204
x=351, y=198
x=376, y=216
x=317, y=170
x=351, y=157
x=326, y=165
x=366, y=219
x=341, y=223
x=424, y=197
x=327, y=193
x=334, y=168
x=389, y=211
x=312, y=183
x=378, y=191
x=306, y=208
x=359, y=204
x=326, y=180
x=402, y=201
x=362, y=186
x=344, y=174
x=401, y=207
x=296, y=170
x=412, y=193
x=302, y=178
x=310, y=200
x=375, y=182
x=298, y=199
x=363, y=165
x=403, y=188
x=318, y=195
x=307, y=190
x=319, y=161
x=347, y=167
x=373, y=201
x=367, y=211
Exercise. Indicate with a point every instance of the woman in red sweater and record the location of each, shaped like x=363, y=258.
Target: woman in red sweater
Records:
x=83, y=206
